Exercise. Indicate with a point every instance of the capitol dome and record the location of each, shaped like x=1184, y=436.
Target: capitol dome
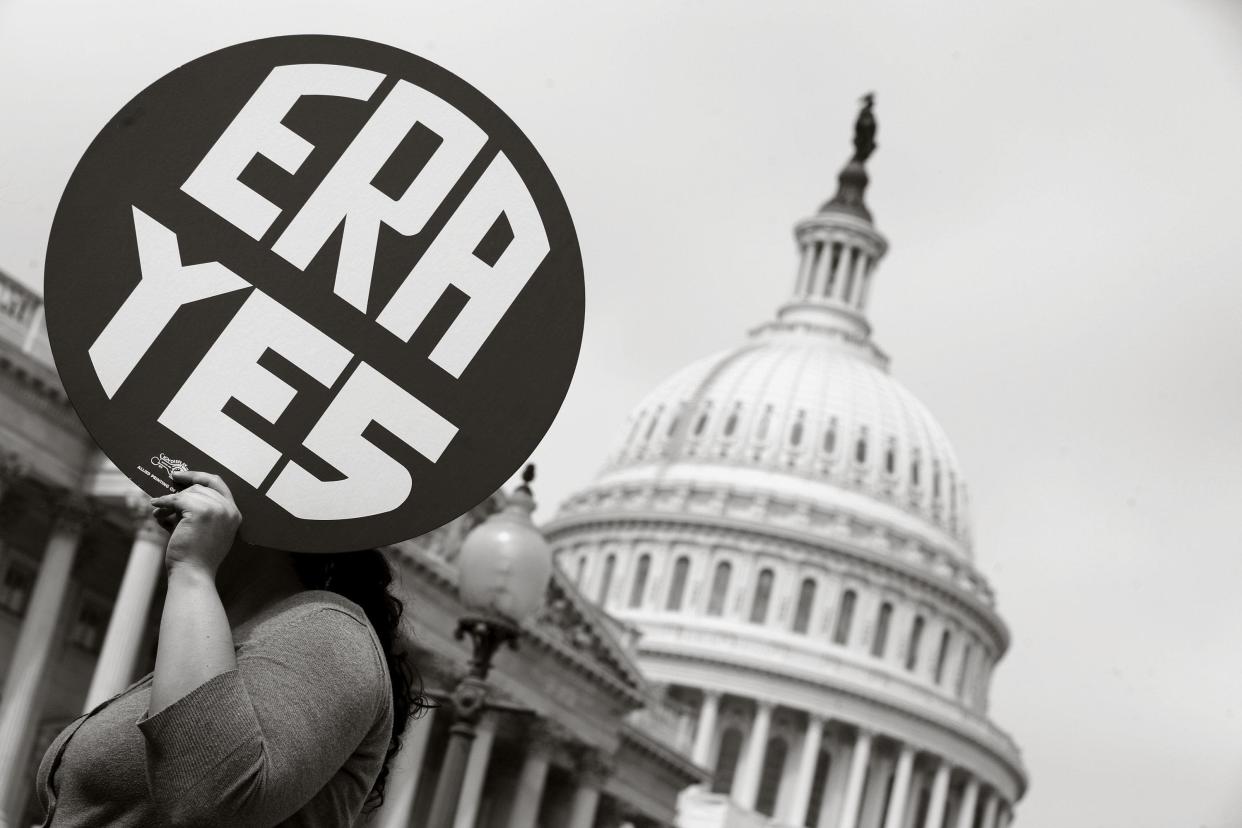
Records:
x=792, y=413
x=786, y=527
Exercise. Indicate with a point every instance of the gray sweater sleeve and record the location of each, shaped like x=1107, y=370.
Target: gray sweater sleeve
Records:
x=252, y=746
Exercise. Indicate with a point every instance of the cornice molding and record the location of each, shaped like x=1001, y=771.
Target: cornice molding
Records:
x=37, y=378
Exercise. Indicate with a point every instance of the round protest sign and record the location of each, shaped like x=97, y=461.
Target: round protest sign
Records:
x=329, y=271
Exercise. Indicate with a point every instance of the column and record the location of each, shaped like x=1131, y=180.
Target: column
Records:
x=594, y=770
x=707, y=728
x=806, y=770
x=920, y=791
x=866, y=288
x=821, y=272
x=525, y=809
x=875, y=791
x=859, y=759
x=403, y=777
x=989, y=810
x=114, y=670
x=939, y=796
x=745, y=793
x=831, y=809
x=901, y=788
x=476, y=771
x=20, y=703
x=966, y=810
x=802, y=288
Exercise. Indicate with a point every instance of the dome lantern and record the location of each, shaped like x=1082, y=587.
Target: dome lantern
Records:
x=839, y=249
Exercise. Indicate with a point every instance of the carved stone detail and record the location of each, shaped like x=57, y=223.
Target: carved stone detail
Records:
x=72, y=511
x=593, y=767
x=544, y=738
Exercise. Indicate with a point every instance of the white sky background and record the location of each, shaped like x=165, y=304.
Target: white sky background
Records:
x=1061, y=183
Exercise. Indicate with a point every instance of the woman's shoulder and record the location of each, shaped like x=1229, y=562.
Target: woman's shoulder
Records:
x=322, y=624
x=326, y=617
x=314, y=607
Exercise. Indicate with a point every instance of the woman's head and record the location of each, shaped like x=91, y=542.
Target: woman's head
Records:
x=364, y=578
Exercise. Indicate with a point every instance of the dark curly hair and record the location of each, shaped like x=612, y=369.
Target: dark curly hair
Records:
x=364, y=578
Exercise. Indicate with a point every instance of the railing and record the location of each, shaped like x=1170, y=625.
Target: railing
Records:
x=21, y=316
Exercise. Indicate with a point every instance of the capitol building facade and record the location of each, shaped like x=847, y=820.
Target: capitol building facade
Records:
x=786, y=530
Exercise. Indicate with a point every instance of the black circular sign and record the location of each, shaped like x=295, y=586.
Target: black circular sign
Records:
x=326, y=269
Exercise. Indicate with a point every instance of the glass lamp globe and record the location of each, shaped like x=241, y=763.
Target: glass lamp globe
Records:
x=504, y=563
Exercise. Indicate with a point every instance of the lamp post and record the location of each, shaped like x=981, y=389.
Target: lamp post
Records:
x=503, y=569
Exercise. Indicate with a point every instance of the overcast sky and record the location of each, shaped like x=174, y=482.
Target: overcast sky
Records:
x=1061, y=184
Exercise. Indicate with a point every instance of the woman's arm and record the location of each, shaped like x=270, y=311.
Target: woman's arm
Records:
x=195, y=641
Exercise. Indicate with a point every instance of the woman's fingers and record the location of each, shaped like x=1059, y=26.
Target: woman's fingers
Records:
x=176, y=502
x=167, y=518
x=211, y=481
x=194, y=497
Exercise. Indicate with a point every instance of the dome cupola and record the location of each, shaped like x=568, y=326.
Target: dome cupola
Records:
x=839, y=249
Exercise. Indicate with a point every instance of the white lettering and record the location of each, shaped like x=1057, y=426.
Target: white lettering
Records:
x=375, y=483
x=230, y=370
x=257, y=130
x=346, y=193
x=450, y=260
x=165, y=286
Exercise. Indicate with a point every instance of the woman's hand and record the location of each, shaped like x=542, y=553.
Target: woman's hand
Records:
x=202, y=520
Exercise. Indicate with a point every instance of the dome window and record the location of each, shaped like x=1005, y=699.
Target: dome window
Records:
x=830, y=437
x=731, y=423
x=806, y=600
x=720, y=588
x=655, y=418
x=935, y=478
x=890, y=457
x=638, y=421
x=605, y=585
x=763, y=597
x=916, y=639
x=677, y=591
x=672, y=423
x=880, y=641
x=701, y=424
x=640, y=581
x=860, y=448
x=960, y=690
x=942, y=656
x=765, y=422
x=952, y=501
x=795, y=433
x=845, y=617
x=914, y=470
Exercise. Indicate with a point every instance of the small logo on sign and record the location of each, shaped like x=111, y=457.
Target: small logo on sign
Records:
x=168, y=464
